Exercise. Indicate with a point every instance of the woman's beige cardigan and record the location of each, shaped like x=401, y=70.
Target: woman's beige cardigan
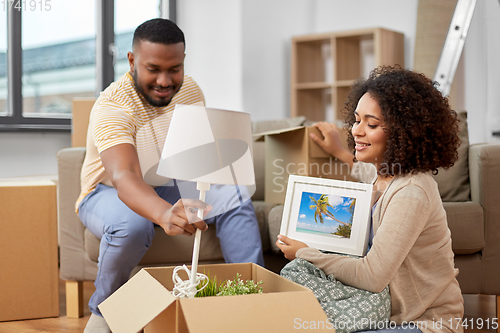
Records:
x=411, y=253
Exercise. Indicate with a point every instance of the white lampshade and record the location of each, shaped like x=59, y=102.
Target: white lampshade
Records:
x=208, y=145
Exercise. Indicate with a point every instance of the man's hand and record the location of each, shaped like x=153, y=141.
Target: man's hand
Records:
x=290, y=247
x=123, y=169
x=182, y=218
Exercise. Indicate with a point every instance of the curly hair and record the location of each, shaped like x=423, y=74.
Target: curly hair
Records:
x=421, y=128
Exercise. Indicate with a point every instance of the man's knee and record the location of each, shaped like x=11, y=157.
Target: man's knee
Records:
x=131, y=231
x=228, y=198
x=246, y=192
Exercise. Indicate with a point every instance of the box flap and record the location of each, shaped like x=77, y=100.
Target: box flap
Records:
x=136, y=303
x=262, y=135
x=314, y=149
x=273, y=282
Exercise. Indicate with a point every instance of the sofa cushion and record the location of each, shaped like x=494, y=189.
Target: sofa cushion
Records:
x=262, y=210
x=469, y=272
x=465, y=220
x=167, y=249
x=91, y=244
x=466, y=223
x=179, y=249
x=454, y=183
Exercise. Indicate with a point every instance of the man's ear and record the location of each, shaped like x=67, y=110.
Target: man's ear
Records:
x=131, y=62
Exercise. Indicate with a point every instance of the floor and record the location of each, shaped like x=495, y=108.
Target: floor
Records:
x=477, y=307
x=52, y=325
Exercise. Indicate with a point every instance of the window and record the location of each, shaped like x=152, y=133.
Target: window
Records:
x=3, y=64
x=58, y=57
x=128, y=15
x=49, y=55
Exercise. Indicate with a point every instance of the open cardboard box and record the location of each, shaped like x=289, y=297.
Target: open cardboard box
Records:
x=291, y=151
x=145, y=302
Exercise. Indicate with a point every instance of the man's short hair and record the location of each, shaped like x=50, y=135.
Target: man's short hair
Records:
x=158, y=30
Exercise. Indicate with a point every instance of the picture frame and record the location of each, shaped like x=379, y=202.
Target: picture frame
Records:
x=327, y=214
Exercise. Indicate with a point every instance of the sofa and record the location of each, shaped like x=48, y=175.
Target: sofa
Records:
x=469, y=192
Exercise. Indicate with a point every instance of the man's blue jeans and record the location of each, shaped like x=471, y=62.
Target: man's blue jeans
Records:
x=126, y=236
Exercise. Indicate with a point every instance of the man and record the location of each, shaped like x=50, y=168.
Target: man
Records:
x=122, y=197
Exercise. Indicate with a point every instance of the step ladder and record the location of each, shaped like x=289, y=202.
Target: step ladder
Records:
x=454, y=44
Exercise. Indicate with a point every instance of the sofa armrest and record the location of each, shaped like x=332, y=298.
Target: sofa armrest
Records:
x=274, y=220
x=484, y=169
x=74, y=261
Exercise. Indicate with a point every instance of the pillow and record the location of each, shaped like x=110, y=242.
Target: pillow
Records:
x=454, y=183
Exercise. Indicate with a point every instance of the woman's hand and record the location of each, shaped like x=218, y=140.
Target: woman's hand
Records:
x=290, y=246
x=331, y=142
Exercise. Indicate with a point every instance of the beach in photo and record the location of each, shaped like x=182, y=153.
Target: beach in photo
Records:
x=325, y=214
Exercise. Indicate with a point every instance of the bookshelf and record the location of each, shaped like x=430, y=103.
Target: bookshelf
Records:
x=324, y=66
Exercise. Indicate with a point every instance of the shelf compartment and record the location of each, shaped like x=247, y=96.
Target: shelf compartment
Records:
x=315, y=104
x=313, y=61
x=326, y=65
x=354, y=56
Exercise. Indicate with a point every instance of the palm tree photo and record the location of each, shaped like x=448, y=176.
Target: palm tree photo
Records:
x=321, y=206
x=326, y=214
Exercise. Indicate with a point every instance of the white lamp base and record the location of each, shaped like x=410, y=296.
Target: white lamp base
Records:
x=184, y=288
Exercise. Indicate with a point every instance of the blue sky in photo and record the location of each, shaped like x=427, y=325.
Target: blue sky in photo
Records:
x=340, y=211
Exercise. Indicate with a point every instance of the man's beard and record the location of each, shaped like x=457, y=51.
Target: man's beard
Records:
x=149, y=99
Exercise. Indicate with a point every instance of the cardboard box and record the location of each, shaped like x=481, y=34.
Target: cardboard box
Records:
x=28, y=250
x=146, y=302
x=292, y=152
x=80, y=123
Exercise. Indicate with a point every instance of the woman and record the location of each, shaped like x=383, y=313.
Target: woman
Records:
x=402, y=126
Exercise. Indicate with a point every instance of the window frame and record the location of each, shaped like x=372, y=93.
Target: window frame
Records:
x=15, y=121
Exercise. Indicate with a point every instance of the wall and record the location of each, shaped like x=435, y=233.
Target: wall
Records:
x=267, y=30
x=213, y=49
x=263, y=30
x=482, y=72
x=492, y=42
x=27, y=154
x=239, y=53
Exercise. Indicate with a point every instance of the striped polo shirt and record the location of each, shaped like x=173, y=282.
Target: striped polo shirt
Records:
x=122, y=115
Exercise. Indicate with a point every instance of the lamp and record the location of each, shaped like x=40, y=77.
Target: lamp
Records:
x=207, y=146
